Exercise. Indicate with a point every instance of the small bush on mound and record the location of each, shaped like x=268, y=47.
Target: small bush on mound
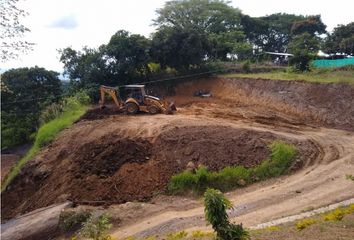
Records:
x=70, y=221
x=216, y=205
x=96, y=228
x=282, y=155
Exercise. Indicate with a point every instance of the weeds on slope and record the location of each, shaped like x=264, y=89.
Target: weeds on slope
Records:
x=73, y=109
x=317, y=75
x=282, y=155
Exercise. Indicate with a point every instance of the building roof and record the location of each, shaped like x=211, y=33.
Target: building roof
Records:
x=134, y=86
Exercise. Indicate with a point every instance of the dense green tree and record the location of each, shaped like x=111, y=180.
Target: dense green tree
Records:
x=211, y=16
x=270, y=33
x=304, y=47
x=123, y=60
x=229, y=43
x=312, y=25
x=127, y=56
x=86, y=69
x=215, y=20
x=180, y=48
x=24, y=92
x=341, y=40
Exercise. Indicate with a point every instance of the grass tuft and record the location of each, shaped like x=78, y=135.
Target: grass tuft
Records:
x=302, y=224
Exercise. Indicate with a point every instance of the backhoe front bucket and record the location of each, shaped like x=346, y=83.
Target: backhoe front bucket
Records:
x=171, y=107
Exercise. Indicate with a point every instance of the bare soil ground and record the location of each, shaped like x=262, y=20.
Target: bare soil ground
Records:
x=117, y=158
x=10, y=156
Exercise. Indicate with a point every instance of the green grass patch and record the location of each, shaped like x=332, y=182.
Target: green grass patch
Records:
x=74, y=109
x=302, y=224
x=318, y=75
x=282, y=155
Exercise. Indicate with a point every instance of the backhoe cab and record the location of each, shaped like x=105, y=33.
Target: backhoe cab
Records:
x=133, y=99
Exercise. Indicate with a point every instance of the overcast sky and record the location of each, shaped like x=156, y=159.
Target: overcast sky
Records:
x=57, y=24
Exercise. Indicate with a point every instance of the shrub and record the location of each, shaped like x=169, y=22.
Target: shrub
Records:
x=349, y=177
x=181, y=182
x=70, y=221
x=230, y=177
x=201, y=179
x=216, y=205
x=246, y=66
x=96, y=228
x=335, y=215
x=300, y=225
x=280, y=160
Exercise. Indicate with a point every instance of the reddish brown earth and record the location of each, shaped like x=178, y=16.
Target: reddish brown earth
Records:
x=115, y=158
x=7, y=161
x=116, y=169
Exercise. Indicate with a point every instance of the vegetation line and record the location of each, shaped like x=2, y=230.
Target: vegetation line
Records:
x=282, y=155
x=341, y=75
x=73, y=109
x=349, y=202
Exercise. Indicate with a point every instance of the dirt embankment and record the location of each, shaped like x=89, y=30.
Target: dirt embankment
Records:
x=119, y=158
x=269, y=101
x=116, y=169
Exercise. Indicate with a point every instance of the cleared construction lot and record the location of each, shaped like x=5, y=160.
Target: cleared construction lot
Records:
x=109, y=159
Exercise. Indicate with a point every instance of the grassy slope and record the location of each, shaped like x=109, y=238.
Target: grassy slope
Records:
x=320, y=76
x=336, y=224
x=46, y=133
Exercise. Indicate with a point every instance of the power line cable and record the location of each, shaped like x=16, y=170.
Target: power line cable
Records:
x=147, y=82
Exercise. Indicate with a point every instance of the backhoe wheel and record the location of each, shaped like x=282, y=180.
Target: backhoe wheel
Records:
x=131, y=108
x=153, y=109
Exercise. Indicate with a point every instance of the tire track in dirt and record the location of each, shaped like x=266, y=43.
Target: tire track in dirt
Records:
x=321, y=182
x=289, y=110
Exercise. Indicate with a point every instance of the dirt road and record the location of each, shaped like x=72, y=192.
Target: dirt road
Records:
x=117, y=158
x=321, y=182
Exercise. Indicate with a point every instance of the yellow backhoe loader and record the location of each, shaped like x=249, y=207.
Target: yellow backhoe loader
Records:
x=133, y=99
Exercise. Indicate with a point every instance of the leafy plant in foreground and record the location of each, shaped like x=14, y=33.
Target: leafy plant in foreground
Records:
x=96, y=228
x=216, y=205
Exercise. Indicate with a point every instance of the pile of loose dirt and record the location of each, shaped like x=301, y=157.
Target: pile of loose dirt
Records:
x=115, y=169
x=212, y=146
x=100, y=113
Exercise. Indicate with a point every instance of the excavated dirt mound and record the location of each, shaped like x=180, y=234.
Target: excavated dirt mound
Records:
x=98, y=113
x=116, y=169
x=119, y=158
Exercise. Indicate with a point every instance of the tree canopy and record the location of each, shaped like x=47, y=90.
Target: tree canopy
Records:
x=341, y=40
x=211, y=16
x=24, y=92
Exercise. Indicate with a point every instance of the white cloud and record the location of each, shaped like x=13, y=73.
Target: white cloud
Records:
x=96, y=21
x=67, y=22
